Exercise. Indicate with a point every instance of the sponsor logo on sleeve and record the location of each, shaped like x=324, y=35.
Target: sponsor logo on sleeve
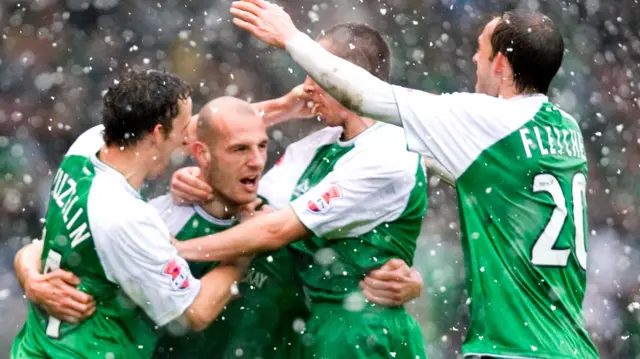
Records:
x=178, y=273
x=323, y=203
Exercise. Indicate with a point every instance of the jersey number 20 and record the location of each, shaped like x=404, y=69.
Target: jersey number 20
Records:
x=543, y=253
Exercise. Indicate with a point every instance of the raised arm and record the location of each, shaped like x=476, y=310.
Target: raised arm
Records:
x=294, y=105
x=352, y=86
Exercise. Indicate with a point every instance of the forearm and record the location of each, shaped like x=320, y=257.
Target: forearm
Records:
x=27, y=262
x=354, y=87
x=215, y=293
x=268, y=232
x=273, y=111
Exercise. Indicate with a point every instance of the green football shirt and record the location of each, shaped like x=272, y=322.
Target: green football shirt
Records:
x=257, y=324
x=521, y=177
x=362, y=199
x=98, y=227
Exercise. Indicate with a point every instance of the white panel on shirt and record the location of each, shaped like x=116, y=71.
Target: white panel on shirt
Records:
x=456, y=128
x=368, y=186
x=134, y=246
x=173, y=215
x=88, y=143
x=278, y=183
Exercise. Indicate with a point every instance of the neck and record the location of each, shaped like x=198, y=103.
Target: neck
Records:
x=355, y=125
x=220, y=209
x=129, y=162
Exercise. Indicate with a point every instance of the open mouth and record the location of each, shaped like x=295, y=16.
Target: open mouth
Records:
x=250, y=183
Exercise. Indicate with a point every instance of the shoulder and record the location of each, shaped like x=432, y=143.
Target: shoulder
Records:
x=175, y=216
x=87, y=143
x=110, y=206
x=385, y=150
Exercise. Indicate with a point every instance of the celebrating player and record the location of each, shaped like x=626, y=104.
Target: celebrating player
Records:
x=347, y=205
x=98, y=227
x=230, y=148
x=520, y=170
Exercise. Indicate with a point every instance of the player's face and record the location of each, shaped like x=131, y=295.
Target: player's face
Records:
x=330, y=111
x=238, y=157
x=488, y=80
x=176, y=139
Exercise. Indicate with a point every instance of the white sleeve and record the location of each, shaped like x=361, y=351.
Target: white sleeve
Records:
x=354, y=87
x=136, y=253
x=277, y=185
x=88, y=143
x=456, y=128
x=359, y=195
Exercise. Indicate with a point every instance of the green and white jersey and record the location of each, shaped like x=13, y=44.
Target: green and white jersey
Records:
x=98, y=227
x=363, y=200
x=257, y=324
x=521, y=176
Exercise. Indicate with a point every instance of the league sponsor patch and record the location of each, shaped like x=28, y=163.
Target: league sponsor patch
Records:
x=178, y=274
x=323, y=203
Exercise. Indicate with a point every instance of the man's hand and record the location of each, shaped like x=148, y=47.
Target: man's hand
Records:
x=394, y=284
x=188, y=187
x=299, y=102
x=266, y=21
x=254, y=209
x=57, y=294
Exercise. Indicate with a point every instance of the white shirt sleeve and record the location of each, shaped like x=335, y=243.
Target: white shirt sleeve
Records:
x=136, y=253
x=359, y=195
x=456, y=128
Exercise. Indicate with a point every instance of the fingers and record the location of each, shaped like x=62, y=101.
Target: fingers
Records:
x=259, y=3
x=246, y=6
x=185, y=187
x=244, y=16
x=192, y=179
x=68, y=278
x=395, y=263
x=376, y=284
x=77, y=308
x=245, y=25
x=79, y=296
x=381, y=300
x=385, y=275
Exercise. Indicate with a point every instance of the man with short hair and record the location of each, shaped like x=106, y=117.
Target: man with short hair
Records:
x=229, y=144
x=520, y=170
x=99, y=228
x=346, y=205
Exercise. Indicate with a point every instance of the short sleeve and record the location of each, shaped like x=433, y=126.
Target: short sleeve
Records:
x=359, y=195
x=456, y=128
x=136, y=253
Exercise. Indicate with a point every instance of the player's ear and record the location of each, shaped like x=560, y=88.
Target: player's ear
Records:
x=501, y=64
x=158, y=135
x=201, y=154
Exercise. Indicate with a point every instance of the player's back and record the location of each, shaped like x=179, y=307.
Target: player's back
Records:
x=117, y=329
x=524, y=220
x=521, y=172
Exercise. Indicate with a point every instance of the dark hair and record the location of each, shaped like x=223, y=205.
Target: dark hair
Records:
x=362, y=46
x=137, y=102
x=534, y=47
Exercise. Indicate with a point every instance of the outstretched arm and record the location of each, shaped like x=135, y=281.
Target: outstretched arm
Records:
x=264, y=233
x=352, y=86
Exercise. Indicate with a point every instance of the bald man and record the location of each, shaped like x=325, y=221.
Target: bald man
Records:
x=229, y=143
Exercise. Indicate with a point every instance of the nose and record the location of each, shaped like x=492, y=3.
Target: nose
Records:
x=257, y=158
x=475, y=58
